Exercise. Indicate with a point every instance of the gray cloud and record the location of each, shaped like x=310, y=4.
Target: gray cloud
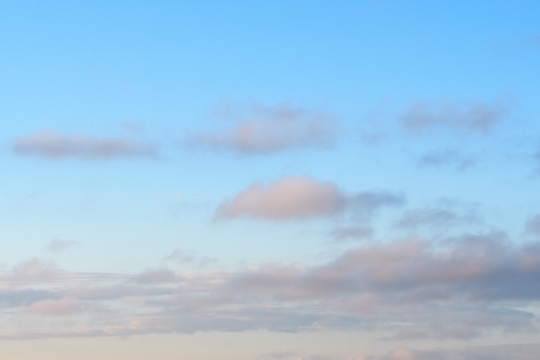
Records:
x=52, y=145
x=435, y=217
x=300, y=198
x=463, y=117
x=460, y=288
x=272, y=129
x=486, y=352
x=355, y=232
x=57, y=245
x=533, y=225
x=447, y=157
x=180, y=256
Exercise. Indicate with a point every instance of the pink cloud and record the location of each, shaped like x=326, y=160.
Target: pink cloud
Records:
x=287, y=198
x=301, y=198
x=52, y=307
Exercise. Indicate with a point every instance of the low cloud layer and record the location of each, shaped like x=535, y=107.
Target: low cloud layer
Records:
x=458, y=288
x=272, y=129
x=461, y=117
x=53, y=145
x=494, y=352
x=300, y=198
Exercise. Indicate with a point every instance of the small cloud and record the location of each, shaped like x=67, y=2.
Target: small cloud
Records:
x=462, y=117
x=533, y=225
x=287, y=198
x=272, y=129
x=446, y=157
x=300, y=198
x=358, y=233
x=434, y=217
x=52, y=145
x=179, y=256
x=157, y=276
x=53, y=307
x=57, y=245
x=34, y=270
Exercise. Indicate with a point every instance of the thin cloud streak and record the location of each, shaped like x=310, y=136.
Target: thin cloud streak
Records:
x=52, y=145
x=462, y=117
x=57, y=245
x=266, y=130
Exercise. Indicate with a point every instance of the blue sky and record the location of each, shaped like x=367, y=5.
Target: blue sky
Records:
x=319, y=167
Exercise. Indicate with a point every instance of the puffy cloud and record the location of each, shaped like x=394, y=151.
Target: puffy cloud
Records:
x=300, y=198
x=464, y=117
x=288, y=198
x=180, y=256
x=272, y=129
x=52, y=145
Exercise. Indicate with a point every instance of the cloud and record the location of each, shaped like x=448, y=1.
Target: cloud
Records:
x=458, y=288
x=355, y=232
x=272, y=129
x=53, y=307
x=434, y=217
x=180, y=256
x=491, y=352
x=34, y=270
x=300, y=198
x=462, y=117
x=52, y=145
x=57, y=245
x=533, y=225
x=447, y=157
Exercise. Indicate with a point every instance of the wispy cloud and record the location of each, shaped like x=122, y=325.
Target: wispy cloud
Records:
x=533, y=225
x=300, y=198
x=353, y=232
x=462, y=117
x=447, y=157
x=53, y=145
x=435, y=217
x=272, y=129
x=57, y=245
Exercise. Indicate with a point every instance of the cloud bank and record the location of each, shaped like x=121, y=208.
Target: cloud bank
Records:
x=272, y=129
x=300, y=198
x=459, y=288
x=52, y=145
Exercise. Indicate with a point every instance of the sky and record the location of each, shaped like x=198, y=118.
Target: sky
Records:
x=256, y=180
